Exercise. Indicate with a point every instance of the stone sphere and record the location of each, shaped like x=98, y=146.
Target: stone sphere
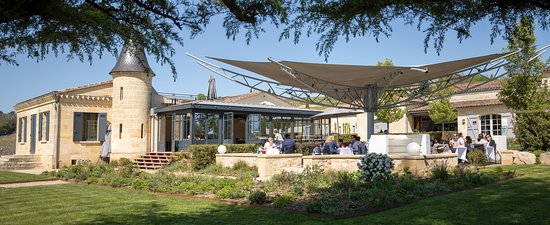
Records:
x=222, y=149
x=413, y=148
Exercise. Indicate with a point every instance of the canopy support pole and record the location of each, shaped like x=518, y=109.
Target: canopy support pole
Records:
x=371, y=106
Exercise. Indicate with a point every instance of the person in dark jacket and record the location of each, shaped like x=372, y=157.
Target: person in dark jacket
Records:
x=330, y=145
x=289, y=145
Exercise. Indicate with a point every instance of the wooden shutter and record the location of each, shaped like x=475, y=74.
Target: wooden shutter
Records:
x=47, y=125
x=77, y=127
x=102, y=126
x=19, y=129
x=473, y=126
x=506, y=124
x=25, y=129
x=40, y=126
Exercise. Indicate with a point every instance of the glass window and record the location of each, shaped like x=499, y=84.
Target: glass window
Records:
x=89, y=131
x=491, y=124
x=257, y=128
x=200, y=127
x=282, y=124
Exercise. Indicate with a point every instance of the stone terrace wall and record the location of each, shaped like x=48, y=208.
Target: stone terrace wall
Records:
x=333, y=162
x=269, y=165
x=421, y=165
x=229, y=159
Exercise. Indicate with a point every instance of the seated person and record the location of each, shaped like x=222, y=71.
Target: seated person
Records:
x=469, y=144
x=456, y=141
x=330, y=145
x=440, y=147
x=356, y=145
x=269, y=146
x=289, y=145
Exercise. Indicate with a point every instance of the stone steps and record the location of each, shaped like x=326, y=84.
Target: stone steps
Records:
x=153, y=160
x=19, y=162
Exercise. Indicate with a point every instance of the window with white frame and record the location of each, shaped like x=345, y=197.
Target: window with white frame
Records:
x=491, y=124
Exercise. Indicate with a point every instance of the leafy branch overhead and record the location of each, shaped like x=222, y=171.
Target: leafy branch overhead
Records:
x=83, y=29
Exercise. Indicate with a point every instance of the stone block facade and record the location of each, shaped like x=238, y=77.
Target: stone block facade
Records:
x=229, y=159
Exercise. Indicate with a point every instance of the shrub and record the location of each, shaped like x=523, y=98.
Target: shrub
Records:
x=179, y=156
x=283, y=201
x=241, y=164
x=375, y=167
x=440, y=172
x=204, y=155
x=531, y=129
x=229, y=192
x=306, y=148
x=476, y=157
x=537, y=154
x=345, y=137
x=257, y=197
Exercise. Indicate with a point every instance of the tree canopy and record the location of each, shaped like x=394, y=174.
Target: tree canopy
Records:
x=522, y=90
x=83, y=29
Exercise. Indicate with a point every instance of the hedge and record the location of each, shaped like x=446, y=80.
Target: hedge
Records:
x=204, y=155
x=532, y=130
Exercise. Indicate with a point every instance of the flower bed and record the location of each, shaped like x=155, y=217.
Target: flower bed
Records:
x=332, y=193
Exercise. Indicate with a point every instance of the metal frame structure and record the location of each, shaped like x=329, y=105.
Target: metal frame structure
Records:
x=380, y=95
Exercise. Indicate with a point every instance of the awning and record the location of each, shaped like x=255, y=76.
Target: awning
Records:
x=336, y=113
x=356, y=76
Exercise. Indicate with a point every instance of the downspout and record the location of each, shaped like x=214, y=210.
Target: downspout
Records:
x=152, y=130
x=58, y=130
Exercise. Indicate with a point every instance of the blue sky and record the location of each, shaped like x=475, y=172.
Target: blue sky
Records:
x=404, y=46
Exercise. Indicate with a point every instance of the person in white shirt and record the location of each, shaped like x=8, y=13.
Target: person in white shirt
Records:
x=457, y=141
x=278, y=138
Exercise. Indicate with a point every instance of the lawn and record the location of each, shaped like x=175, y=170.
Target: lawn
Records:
x=523, y=200
x=9, y=177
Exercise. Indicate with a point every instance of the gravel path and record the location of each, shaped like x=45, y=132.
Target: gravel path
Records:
x=34, y=183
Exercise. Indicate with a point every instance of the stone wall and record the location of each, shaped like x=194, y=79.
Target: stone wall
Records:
x=269, y=165
x=346, y=163
x=229, y=159
x=421, y=165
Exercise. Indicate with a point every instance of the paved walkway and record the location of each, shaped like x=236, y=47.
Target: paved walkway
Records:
x=33, y=183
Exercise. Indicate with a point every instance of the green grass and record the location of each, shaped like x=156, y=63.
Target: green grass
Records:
x=8, y=177
x=524, y=200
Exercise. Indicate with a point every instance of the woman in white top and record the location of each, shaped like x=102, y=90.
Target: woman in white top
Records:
x=269, y=143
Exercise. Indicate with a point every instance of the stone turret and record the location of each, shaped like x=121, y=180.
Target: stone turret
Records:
x=132, y=86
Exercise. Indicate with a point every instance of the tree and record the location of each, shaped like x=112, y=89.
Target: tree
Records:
x=7, y=122
x=392, y=114
x=83, y=29
x=521, y=90
x=441, y=110
x=201, y=96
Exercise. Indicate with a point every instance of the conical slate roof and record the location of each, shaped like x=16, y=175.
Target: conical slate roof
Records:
x=132, y=59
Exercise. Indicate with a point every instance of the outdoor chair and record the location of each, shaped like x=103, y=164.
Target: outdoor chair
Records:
x=461, y=153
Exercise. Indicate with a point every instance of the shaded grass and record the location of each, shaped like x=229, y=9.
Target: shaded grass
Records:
x=524, y=200
x=10, y=177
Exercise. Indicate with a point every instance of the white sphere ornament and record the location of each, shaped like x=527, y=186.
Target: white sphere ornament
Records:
x=222, y=149
x=413, y=148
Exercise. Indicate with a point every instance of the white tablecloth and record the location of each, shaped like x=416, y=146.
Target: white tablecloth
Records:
x=272, y=151
x=345, y=151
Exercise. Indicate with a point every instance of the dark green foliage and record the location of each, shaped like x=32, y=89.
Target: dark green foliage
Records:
x=257, y=197
x=7, y=122
x=345, y=137
x=305, y=148
x=440, y=172
x=476, y=157
x=532, y=130
x=240, y=165
x=204, y=155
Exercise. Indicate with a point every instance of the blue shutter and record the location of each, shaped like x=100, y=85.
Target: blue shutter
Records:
x=506, y=124
x=77, y=128
x=47, y=125
x=40, y=126
x=102, y=126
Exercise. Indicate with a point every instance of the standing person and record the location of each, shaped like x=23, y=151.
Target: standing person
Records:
x=289, y=145
x=278, y=137
x=456, y=141
x=356, y=145
x=491, y=142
